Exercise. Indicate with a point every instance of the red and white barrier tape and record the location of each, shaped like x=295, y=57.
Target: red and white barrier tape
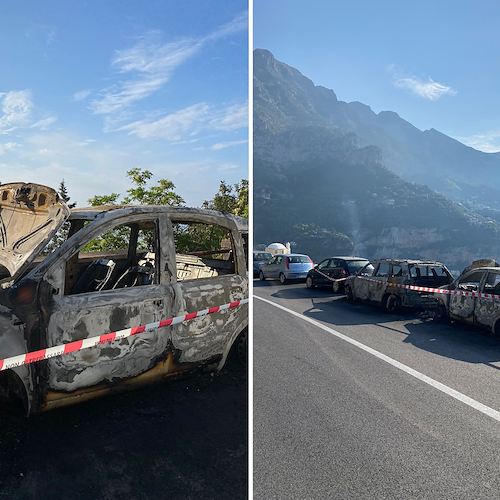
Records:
x=329, y=277
x=433, y=290
x=50, y=352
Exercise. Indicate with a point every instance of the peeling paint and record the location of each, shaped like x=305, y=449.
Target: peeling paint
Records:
x=56, y=316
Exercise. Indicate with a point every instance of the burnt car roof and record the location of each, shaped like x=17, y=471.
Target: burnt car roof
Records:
x=417, y=262
x=112, y=211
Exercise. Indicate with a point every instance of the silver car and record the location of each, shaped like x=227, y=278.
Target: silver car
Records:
x=286, y=267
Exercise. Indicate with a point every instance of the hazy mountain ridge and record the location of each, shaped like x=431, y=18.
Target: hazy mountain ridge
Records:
x=322, y=187
x=284, y=98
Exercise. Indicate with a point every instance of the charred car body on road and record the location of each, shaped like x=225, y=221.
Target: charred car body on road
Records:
x=373, y=283
x=480, y=311
x=120, y=267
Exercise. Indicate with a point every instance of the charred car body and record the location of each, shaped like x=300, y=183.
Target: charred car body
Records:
x=483, y=312
x=120, y=267
x=381, y=274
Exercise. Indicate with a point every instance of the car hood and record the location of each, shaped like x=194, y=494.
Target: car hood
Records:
x=30, y=214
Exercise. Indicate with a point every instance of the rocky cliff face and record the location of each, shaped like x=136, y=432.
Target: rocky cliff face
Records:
x=319, y=184
x=283, y=97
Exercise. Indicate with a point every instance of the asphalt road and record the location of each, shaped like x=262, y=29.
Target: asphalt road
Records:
x=332, y=420
x=178, y=440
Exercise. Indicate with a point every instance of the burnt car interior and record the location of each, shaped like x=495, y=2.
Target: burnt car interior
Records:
x=120, y=258
x=125, y=256
x=430, y=276
x=202, y=250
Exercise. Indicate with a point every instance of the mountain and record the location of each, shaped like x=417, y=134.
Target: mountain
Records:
x=284, y=97
x=321, y=184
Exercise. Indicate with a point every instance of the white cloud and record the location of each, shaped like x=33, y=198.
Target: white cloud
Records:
x=223, y=145
x=228, y=166
x=7, y=146
x=172, y=127
x=153, y=64
x=190, y=121
x=488, y=142
x=428, y=89
x=231, y=118
x=16, y=108
x=80, y=96
x=44, y=124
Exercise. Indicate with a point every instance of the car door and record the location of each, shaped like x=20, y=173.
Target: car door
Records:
x=377, y=290
x=216, y=278
x=487, y=310
x=462, y=306
x=361, y=286
x=133, y=298
x=275, y=269
x=322, y=269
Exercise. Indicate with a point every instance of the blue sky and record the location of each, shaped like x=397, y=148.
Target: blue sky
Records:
x=436, y=64
x=91, y=89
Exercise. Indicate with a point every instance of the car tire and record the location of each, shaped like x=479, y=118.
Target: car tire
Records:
x=310, y=282
x=393, y=304
x=440, y=314
x=348, y=292
x=282, y=278
x=261, y=276
x=336, y=287
x=237, y=359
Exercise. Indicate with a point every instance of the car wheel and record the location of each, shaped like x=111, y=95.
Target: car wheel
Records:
x=237, y=359
x=310, y=282
x=261, y=276
x=348, y=292
x=440, y=314
x=282, y=278
x=393, y=303
x=335, y=287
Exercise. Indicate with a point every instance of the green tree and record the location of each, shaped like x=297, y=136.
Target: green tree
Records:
x=230, y=199
x=160, y=194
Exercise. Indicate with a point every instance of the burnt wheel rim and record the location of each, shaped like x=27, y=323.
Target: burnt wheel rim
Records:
x=242, y=348
x=392, y=303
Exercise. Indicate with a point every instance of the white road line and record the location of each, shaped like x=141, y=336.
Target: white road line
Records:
x=414, y=373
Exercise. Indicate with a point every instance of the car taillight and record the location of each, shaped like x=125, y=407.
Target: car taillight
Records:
x=342, y=272
x=287, y=263
x=310, y=260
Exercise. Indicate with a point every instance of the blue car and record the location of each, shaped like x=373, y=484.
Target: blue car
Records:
x=286, y=267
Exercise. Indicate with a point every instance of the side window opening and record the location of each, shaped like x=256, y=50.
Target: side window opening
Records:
x=120, y=258
x=397, y=271
x=492, y=284
x=471, y=282
x=383, y=271
x=202, y=250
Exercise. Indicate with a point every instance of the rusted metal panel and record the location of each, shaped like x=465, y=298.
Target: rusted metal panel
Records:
x=54, y=315
x=30, y=214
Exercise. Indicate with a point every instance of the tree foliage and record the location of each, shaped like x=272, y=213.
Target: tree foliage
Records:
x=230, y=199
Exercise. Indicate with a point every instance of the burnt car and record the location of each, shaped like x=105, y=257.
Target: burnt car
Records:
x=329, y=272
x=374, y=283
x=120, y=267
x=258, y=259
x=482, y=311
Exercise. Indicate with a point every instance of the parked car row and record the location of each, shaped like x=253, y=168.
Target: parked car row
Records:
x=381, y=282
